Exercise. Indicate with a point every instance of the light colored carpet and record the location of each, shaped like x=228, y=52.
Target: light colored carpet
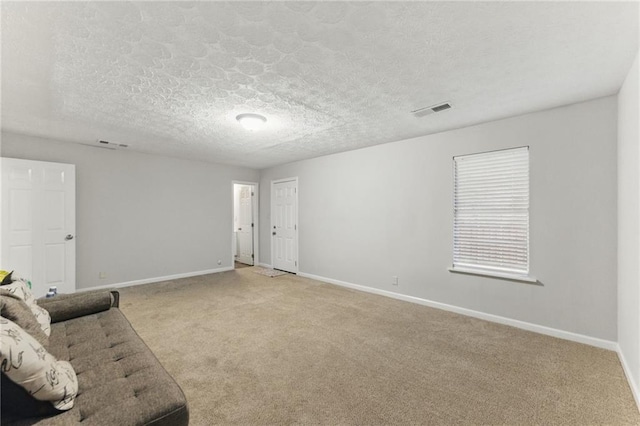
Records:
x=251, y=350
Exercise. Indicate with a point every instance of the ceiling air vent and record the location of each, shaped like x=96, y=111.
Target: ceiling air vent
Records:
x=421, y=112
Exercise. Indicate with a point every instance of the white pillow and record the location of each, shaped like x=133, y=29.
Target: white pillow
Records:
x=20, y=289
x=27, y=363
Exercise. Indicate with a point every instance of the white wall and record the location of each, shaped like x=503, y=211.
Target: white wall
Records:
x=142, y=216
x=629, y=227
x=369, y=214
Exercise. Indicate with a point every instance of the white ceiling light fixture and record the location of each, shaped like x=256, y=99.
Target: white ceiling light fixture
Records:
x=252, y=122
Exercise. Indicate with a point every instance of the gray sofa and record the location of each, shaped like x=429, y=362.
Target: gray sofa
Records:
x=120, y=381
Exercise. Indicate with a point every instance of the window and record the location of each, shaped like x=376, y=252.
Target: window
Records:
x=491, y=214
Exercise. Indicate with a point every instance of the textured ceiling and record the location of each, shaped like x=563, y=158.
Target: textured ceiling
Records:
x=170, y=77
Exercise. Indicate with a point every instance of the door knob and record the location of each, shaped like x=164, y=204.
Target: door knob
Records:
x=68, y=237
x=239, y=229
x=273, y=233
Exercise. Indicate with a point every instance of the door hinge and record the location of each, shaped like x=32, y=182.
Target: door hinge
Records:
x=296, y=262
x=252, y=225
x=252, y=256
x=295, y=227
x=252, y=194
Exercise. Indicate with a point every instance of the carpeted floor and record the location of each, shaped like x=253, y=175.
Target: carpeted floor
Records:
x=251, y=350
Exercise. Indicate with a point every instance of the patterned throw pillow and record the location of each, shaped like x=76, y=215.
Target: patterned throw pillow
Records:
x=20, y=289
x=15, y=309
x=25, y=362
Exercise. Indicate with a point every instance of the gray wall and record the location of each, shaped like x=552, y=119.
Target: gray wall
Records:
x=629, y=225
x=369, y=214
x=141, y=216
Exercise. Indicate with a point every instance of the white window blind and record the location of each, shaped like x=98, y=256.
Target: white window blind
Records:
x=491, y=212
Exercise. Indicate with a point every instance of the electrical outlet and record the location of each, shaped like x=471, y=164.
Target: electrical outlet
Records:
x=102, y=275
x=394, y=280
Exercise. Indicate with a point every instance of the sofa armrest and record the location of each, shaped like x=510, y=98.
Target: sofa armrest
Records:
x=67, y=306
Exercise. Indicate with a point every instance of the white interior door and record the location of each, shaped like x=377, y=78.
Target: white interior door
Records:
x=284, y=225
x=244, y=231
x=38, y=223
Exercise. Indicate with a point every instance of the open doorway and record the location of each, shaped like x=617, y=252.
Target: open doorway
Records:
x=245, y=226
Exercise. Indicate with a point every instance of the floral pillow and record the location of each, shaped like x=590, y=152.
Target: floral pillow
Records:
x=28, y=364
x=20, y=289
x=15, y=309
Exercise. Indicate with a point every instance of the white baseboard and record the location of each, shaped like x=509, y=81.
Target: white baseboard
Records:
x=635, y=389
x=264, y=265
x=567, y=335
x=158, y=279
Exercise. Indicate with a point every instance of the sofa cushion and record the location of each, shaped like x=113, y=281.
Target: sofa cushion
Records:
x=15, y=309
x=27, y=363
x=120, y=380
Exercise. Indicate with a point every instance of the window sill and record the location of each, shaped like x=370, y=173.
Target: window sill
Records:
x=504, y=276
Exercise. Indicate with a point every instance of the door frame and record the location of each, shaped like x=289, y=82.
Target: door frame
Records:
x=256, y=220
x=271, y=200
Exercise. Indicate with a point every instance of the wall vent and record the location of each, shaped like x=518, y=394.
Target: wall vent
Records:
x=421, y=112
